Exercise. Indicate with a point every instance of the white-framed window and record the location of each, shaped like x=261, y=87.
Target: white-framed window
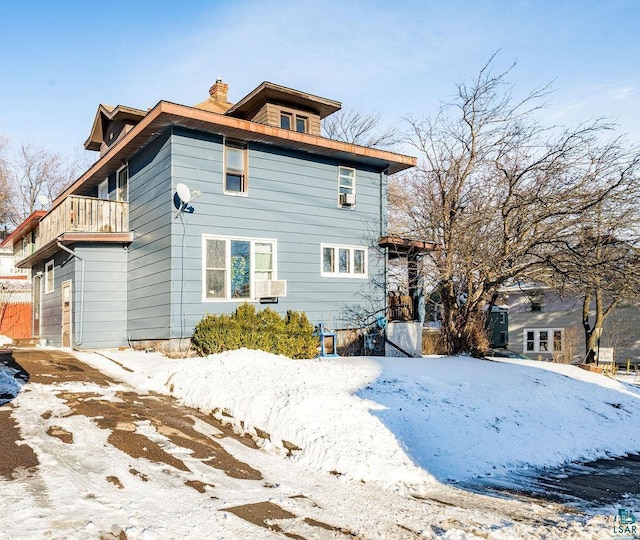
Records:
x=346, y=186
x=343, y=261
x=232, y=265
x=122, y=184
x=542, y=340
x=235, y=168
x=48, y=277
x=502, y=317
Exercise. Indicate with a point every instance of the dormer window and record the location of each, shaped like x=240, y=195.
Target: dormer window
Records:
x=286, y=120
x=294, y=121
x=301, y=124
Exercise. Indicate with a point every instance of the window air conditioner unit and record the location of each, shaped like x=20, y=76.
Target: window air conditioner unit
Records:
x=347, y=199
x=271, y=288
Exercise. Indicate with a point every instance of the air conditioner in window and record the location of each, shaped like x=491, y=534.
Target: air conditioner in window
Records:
x=347, y=199
x=270, y=288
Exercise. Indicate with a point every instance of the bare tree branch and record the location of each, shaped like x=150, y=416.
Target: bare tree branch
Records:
x=358, y=127
x=501, y=194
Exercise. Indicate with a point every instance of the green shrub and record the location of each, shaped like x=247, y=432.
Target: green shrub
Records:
x=263, y=330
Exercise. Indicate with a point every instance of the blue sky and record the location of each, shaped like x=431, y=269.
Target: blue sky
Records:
x=61, y=59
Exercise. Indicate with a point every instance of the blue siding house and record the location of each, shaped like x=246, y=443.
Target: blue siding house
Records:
x=194, y=210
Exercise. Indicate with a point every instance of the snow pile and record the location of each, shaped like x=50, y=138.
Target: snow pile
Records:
x=461, y=418
x=403, y=421
x=311, y=404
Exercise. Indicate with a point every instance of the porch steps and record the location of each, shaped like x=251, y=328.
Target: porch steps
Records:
x=26, y=342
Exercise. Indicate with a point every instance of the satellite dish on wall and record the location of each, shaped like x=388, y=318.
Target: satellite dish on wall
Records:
x=184, y=193
x=182, y=197
x=43, y=200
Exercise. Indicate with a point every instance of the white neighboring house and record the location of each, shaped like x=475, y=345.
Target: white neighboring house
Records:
x=547, y=325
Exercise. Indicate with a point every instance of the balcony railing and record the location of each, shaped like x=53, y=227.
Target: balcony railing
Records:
x=83, y=214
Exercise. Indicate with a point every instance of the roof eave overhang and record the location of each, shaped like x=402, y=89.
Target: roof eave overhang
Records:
x=104, y=113
x=69, y=238
x=166, y=114
x=270, y=92
x=30, y=223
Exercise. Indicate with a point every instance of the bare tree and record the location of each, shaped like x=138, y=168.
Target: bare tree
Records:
x=5, y=184
x=359, y=127
x=38, y=175
x=37, y=171
x=600, y=260
x=497, y=191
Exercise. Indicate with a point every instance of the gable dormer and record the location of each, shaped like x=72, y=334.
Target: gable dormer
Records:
x=282, y=107
x=110, y=125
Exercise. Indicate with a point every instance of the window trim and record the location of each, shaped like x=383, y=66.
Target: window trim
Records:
x=305, y=123
x=49, y=270
x=227, y=254
x=536, y=340
x=289, y=116
x=239, y=145
x=348, y=275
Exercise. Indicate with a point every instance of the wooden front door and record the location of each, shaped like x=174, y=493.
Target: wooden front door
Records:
x=66, y=313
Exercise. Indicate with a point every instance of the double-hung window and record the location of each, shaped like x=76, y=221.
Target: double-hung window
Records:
x=235, y=163
x=233, y=265
x=543, y=340
x=346, y=186
x=344, y=261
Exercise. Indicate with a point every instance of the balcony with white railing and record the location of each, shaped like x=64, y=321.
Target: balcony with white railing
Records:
x=83, y=215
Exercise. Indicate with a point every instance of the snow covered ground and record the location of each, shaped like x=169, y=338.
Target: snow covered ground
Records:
x=409, y=426
x=404, y=422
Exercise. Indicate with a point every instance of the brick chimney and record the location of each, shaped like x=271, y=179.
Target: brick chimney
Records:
x=218, y=91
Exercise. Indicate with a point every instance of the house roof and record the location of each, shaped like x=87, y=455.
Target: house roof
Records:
x=166, y=114
x=30, y=223
x=274, y=93
x=108, y=113
x=211, y=104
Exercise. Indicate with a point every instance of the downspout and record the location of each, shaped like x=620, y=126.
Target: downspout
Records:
x=74, y=254
x=383, y=230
